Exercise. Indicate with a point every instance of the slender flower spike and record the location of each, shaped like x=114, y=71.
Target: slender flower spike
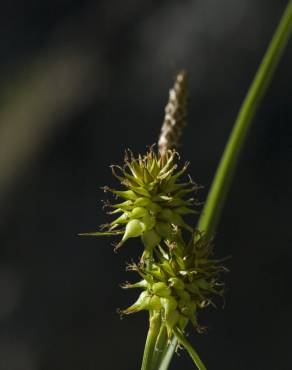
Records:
x=175, y=115
x=153, y=202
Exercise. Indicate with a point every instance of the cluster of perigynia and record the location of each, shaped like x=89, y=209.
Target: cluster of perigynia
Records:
x=177, y=277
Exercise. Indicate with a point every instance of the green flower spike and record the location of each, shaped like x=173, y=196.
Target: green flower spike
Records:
x=154, y=200
x=178, y=287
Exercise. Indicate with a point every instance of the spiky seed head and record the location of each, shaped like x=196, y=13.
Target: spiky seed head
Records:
x=180, y=286
x=154, y=199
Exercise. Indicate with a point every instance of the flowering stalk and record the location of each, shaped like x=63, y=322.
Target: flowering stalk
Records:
x=177, y=274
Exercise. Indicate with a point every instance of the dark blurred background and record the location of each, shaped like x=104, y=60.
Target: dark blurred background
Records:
x=80, y=82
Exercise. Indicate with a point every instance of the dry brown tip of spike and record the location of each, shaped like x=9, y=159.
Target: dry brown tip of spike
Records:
x=175, y=115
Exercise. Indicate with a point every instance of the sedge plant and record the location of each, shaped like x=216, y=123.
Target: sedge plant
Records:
x=177, y=274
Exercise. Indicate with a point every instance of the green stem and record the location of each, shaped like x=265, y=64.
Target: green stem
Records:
x=160, y=347
x=167, y=354
x=154, y=326
x=187, y=345
x=225, y=171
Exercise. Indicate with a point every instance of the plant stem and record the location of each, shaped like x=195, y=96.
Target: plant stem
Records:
x=167, y=354
x=184, y=342
x=159, y=346
x=225, y=171
x=154, y=326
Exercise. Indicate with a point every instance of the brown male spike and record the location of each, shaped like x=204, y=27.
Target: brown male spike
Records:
x=175, y=115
